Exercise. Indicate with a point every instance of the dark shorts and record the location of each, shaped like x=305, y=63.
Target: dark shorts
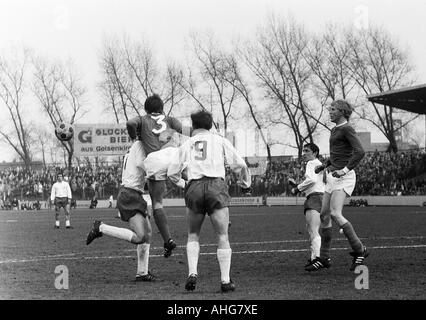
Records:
x=157, y=189
x=206, y=195
x=313, y=202
x=130, y=203
x=60, y=202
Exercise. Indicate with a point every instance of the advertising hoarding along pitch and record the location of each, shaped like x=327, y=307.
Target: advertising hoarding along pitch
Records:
x=100, y=140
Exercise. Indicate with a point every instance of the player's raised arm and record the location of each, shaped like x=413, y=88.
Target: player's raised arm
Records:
x=236, y=163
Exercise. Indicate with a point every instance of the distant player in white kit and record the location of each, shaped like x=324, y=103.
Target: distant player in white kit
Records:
x=204, y=156
x=133, y=209
x=60, y=196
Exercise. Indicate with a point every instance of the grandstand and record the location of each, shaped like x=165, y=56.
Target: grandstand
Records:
x=379, y=174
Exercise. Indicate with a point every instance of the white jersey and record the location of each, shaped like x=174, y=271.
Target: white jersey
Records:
x=313, y=182
x=205, y=155
x=60, y=190
x=133, y=169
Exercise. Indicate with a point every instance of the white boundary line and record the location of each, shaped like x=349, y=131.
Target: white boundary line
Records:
x=59, y=257
x=288, y=241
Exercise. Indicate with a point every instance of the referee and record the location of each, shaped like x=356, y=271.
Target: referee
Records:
x=61, y=196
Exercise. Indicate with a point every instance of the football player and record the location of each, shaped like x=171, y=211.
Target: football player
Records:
x=313, y=187
x=133, y=209
x=149, y=128
x=345, y=154
x=203, y=156
x=61, y=196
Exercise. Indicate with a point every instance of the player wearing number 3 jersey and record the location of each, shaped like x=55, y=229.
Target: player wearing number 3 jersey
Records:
x=149, y=129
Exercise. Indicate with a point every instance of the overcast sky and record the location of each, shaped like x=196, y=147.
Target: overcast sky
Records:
x=74, y=29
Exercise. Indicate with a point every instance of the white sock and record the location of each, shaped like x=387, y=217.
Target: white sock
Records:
x=57, y=223
x=315, y=247
x=192, y=252
x=224, y=258
x=143, y=257
x=120, y=233
x=67, y=223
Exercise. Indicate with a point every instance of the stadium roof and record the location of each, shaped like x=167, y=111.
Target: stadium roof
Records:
x=411, y=99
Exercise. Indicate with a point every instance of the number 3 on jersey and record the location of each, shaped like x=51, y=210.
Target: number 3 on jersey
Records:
x=201, y=149
x=160, y=121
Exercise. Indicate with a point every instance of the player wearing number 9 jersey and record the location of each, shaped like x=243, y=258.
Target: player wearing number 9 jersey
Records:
x=149, y=128
x=204, y=156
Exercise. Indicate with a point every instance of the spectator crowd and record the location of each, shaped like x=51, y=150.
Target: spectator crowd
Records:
x=379, y=173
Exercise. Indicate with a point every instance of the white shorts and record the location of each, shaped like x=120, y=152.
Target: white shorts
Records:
x=157, y=163
x=346, y=183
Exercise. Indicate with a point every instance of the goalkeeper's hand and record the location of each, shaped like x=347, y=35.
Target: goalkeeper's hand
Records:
x=294, y=191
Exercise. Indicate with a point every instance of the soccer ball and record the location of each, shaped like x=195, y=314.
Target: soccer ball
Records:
x=64, y=131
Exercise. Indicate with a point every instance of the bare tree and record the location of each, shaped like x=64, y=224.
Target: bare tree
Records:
x=13, y=78
x=141, y=71
x=130, y=74
x=44, y=140
x=234, y=76
x=378, y=64
x=173, y=93
x=212, y=64
x=110, y=97
x=327, y=57
x=61, y=94
x=276, y=60
x=114, y=85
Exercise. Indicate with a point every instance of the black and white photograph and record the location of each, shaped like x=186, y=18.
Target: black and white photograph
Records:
x=212, y=154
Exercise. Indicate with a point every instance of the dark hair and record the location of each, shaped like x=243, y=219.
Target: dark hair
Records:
x=344, y=107
x=154, y=104
x=313, y=147
x=202, y=120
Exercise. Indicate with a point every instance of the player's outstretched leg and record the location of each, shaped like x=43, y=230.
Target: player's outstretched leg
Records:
x=95, y=232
